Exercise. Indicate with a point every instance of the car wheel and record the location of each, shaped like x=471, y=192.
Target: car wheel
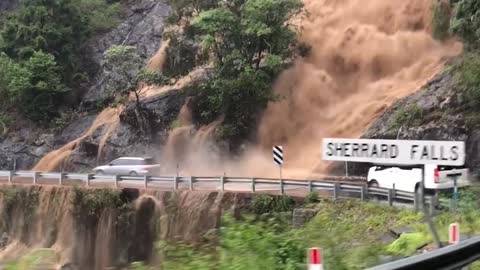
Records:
x=373, y=183
x=99, y=172
x=132, y=173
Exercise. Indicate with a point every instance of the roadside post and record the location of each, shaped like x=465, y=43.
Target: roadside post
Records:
x=454, y=177
x=454, y=233
x=398, y=152
x=315, y=259
x=278, y=159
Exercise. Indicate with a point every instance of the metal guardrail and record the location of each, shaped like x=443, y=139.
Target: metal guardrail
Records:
x=448, y=258
x=330, y=185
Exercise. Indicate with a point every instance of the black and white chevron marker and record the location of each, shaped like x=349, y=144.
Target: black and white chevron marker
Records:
x=278, y=155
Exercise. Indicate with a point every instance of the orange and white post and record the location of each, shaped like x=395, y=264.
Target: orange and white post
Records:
x=454, y=233
x=315, y=259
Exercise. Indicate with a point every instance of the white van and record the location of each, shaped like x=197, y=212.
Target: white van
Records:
x=409, y=179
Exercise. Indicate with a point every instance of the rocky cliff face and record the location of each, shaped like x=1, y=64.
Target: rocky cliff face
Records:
x=98, y=229
x=436, y=112
x=6, y=5
x=142, y=28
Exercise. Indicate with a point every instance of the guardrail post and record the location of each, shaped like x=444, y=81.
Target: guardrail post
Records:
x=222, y=183
x=363, y=193
x=89, y=177
x=310, y=186
x=60, y=178
x=35, y=175
x=336, y=189
x=415, y=201
x=175, y=183
x=145, y=181
x=116, y=179
x=253, y=185
x=432, y=206
x=282, y=190
x=390, y=197
x=191, y=183
x=10, y=177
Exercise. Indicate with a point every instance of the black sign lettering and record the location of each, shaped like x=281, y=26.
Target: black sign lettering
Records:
x=442, y=153
x=384, y=150
x=330, y=149
x=364, y=150
x=454, y=153
x=433, y=157
x=413, y=151
x=355, y=148
x=346, y=147
x=374, y=151
x=424, y=153
x=394, y=151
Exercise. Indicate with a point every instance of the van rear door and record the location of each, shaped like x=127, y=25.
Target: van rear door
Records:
x=437, y=177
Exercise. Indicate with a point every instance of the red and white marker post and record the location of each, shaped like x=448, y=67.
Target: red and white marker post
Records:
x=315, y=259
x=454, y=233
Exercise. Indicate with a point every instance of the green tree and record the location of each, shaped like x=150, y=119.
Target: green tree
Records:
x=54, y=27
x=102, y=15
x=251, y=42
x=218, y=27
x=122, y=64
x=35, y=86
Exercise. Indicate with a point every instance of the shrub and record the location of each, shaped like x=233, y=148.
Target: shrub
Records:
x=266, y=204
x=407, y=116
x=312, y=197
x=440, y=19
x=469, y=76
x=102, y=14
x=34, y=85
x=122, y=65
x=466, y=21
x=91, y=202
x=151, y=77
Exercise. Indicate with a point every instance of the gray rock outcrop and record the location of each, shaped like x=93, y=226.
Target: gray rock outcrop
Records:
x=6, y=5
x=436, y=112
x=142, y=28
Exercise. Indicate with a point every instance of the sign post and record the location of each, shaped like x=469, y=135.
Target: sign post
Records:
x=278, y=157
x=454, y=177
x=315, y=259
x=454, y=233
x=405, y=152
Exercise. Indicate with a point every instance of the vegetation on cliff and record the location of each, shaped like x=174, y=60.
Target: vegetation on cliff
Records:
x=249, y=42
x=40, y=52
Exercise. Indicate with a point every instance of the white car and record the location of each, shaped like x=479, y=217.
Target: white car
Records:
x=409, y=179
x=129, y=166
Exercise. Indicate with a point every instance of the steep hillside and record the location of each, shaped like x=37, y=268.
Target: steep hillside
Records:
x=210, y=86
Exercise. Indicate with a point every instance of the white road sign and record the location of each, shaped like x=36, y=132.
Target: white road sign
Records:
x=395, y=151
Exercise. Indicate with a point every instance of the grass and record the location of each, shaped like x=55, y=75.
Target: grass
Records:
x=408, y=116
x=33, y=260
x=350, y=230
x=349, y=233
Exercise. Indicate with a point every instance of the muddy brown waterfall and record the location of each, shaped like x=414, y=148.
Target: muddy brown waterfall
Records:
x=365, y=55
x=88, y=229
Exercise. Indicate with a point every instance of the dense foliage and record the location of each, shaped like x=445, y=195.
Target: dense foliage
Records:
x=466, y=21
x=250, y=42
x=39, y=47
x=441, y=19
